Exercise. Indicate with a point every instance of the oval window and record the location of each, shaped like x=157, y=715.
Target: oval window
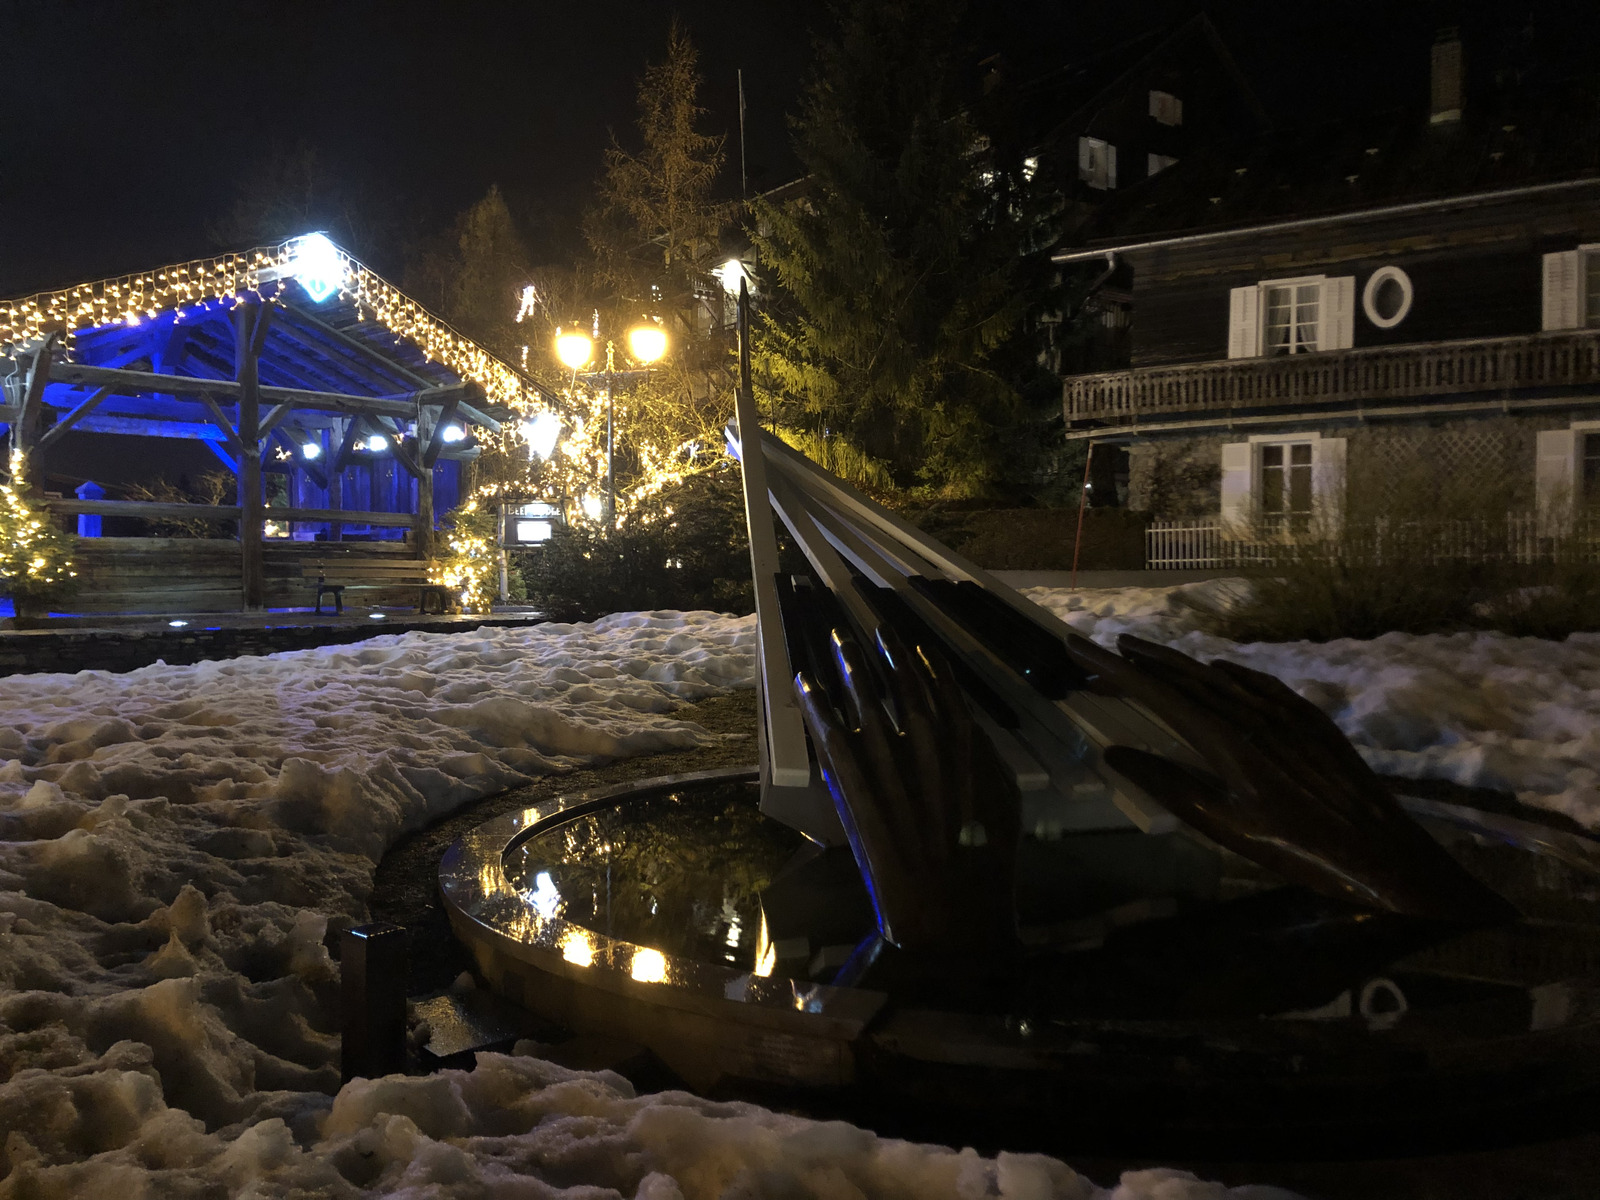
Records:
x=1387, y=297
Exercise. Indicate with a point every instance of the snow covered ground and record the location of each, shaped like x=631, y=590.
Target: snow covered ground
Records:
x=174, y=841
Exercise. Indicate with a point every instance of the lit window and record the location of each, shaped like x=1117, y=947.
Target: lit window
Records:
x=1292, y=314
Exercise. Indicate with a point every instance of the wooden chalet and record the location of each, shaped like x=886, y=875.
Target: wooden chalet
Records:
x=1289, y=322
x=292, y=360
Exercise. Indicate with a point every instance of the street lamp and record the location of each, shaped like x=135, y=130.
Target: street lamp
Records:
x=647, y=344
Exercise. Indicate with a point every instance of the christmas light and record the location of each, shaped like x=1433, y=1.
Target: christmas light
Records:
x=261, y=273
x=317, y=265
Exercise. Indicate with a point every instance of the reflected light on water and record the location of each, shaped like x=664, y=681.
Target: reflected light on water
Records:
x=544, y=897
x=649, y=966
x=766, y=952
x=576, y=949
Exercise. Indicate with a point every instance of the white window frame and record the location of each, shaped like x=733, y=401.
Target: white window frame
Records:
x=1097, y=162
x=1267, y=286
x=1247, y=315
x=1156, y=163
x=1165, y=108
x=1369, y=296
x=1558, y=476
x=1566, y=297
x=1244, y=476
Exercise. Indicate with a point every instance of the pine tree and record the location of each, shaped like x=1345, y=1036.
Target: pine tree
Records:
x=472, y=278
x=655, y=234
x=656, y=228
x=895, y=279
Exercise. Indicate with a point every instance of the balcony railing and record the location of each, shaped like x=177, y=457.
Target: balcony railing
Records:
x=1370, y=375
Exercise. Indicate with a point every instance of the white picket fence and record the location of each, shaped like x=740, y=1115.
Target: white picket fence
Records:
x=1195, y=543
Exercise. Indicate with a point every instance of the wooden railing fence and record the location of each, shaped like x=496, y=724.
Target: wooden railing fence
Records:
x=1370, y=374
x=1197, y=543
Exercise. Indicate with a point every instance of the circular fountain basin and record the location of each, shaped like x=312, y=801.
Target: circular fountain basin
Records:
x=1210, y=1010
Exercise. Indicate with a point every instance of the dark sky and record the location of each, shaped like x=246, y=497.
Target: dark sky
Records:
x=126, y=129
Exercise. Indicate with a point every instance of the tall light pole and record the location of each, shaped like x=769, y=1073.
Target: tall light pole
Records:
x=647, y=344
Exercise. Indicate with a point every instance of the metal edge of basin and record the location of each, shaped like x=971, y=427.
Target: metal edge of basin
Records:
x=708, y=1022
x=704, y=1021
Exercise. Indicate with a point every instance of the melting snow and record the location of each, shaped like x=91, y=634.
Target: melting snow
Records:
x=174, y=842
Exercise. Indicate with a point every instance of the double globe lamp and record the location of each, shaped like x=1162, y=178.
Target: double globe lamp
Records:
x=647, y=344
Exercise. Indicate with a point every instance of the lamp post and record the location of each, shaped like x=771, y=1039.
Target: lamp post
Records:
x=647, y=344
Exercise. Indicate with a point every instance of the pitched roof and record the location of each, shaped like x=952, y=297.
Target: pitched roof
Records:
x=1514, y=138
x=337, y=327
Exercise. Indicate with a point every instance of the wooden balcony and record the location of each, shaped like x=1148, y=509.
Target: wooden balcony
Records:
x=1375, y=375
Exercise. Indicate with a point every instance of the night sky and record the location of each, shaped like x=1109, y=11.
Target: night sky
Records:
x=129, y=129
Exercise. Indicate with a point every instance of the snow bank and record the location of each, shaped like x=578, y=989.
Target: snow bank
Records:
x=174, y=843
x=1479, y=709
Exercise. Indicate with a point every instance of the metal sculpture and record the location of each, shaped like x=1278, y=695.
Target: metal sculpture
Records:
x=976, y=713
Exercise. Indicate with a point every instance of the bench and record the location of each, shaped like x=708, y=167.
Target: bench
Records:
x=334, y=575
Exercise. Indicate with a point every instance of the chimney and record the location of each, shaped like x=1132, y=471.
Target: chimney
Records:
x=1445, y=107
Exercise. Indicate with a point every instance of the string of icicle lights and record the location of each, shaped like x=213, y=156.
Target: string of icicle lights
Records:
x=131, y=299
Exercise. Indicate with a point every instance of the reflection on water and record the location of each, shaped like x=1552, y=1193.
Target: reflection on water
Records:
x=681, y=873
x=1113, y=925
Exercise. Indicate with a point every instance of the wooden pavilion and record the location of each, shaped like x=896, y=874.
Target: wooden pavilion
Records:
x=292, y=360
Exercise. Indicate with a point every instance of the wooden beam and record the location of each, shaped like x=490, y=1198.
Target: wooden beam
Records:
x=318, y=476
x=220, y=420
x=430, y=453
x=401, y=454
x=138, y=382
x=60, y=429
x=479, y=417
x=144, y=508
x=356, y=345
x=270, y=421
x=101, y=422
x=263, y=320
x=28, y=419
x=247, y=322
x=335, y=478
x=347, y=445
x=224, y=457
x=10, y=412
x=349, y=516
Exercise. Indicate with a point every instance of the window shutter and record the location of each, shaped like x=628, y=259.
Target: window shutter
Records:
x=1111, y=165
x=1562, y=289
x=1085, y=158
x=1244, y=322
x=1237, y=461
x=1328, y=483
x=1338, y=313
x=1555, y=477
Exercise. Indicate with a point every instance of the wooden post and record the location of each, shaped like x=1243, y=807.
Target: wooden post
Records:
x=1083, y=496
x=26, y=431
x=334, y=456
x=246, y=318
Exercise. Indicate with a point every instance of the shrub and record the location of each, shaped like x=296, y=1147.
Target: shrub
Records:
x=1416, y=574
x=685, y=548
